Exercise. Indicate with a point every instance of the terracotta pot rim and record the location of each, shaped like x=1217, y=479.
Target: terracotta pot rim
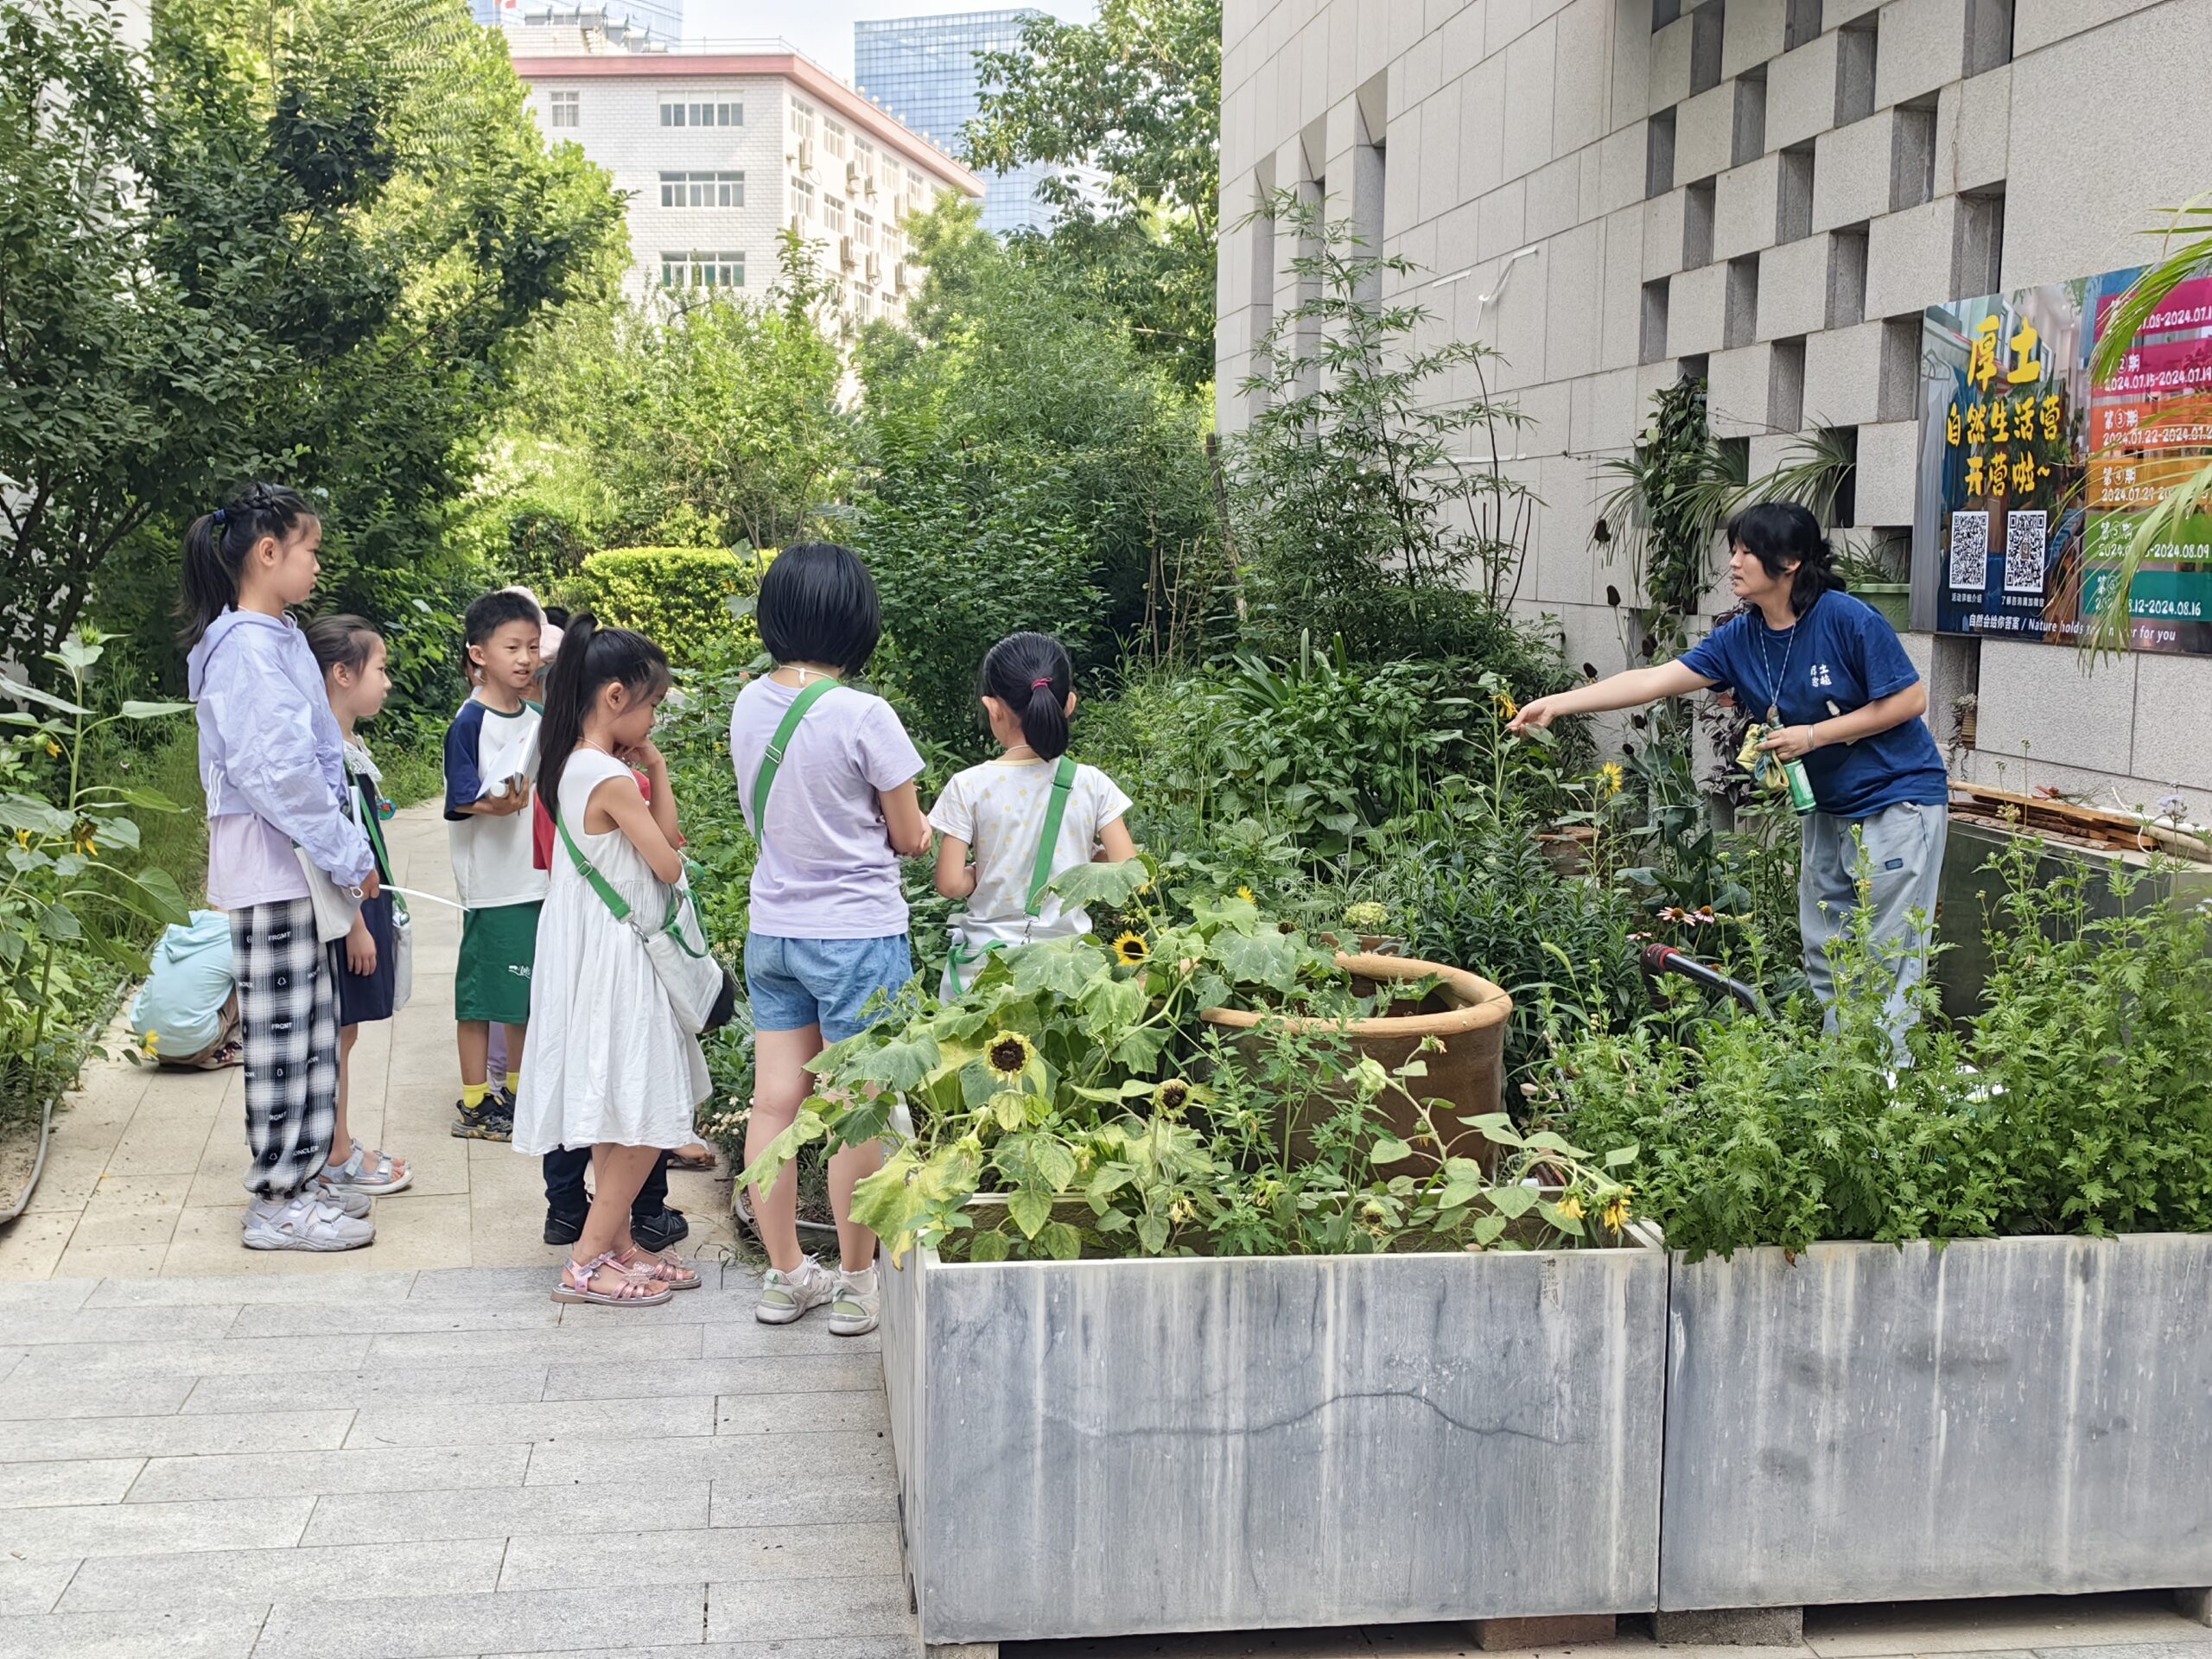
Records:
x=1481, y=1003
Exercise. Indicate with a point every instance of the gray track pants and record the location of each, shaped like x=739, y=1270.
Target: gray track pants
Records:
x=1904, y=868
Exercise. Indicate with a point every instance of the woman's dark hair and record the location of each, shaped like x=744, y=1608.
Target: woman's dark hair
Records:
x=1779, y=534
x=216, y=545
x=342, y=641
x=817, y=604
x=1030, y=673
x=590, y=657
x=557, y=615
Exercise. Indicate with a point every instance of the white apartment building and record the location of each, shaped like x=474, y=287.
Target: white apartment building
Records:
x=1770, y=194
x=720, y=148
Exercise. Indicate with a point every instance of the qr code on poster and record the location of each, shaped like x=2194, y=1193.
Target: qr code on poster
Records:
x=1970, y=550
x=2025, y=536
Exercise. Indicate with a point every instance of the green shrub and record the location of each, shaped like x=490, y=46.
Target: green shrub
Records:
x=679, y=597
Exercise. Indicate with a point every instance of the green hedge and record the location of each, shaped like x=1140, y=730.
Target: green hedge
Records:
x=678, y=596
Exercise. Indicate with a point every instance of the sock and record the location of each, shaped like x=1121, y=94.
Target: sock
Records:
x=472, y=1094
x=863, y=1281
x=514, y=1084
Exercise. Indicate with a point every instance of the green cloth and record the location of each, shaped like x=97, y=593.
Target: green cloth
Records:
x=498, y=947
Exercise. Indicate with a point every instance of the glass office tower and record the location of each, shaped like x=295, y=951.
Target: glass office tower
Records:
x=923, y=70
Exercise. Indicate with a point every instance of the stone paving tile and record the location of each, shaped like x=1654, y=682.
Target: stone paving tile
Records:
x=801, y=1459
x=750, y=1339
x=840, y=1373
x=10, y=1358
x=158, y=1437
x=46, y=1295
x=331, y=1318
x=849, y=1411
x=85, y=1480
x=513, y=1512
x=467, y=1423
x=2006, y=1623
x=443, y=1469
x=633, y=1342
x=35, y=1327
x=218, y=1357
x=780, y=1610
x=199, y=1579
x=131, y=1529
x=31, y=1587
x=118, y=1394
x=242, y=1290
x=716, y=1555
x=404, y=1385
x=439, y=1627
x=2179, y=1646
x=31, y=1246
x=226, y=1633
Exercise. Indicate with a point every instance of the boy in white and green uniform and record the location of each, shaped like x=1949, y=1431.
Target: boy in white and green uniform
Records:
x=491, y=760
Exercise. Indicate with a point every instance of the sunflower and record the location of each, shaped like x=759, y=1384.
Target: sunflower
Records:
x=1171, y=1097
x=1009, y=1053
x=1248, y=895
x=1612, y=776
x=1571, y=1208
x=153, y=1042
x=1131, y=951
x=1616, y=1214
x=1507, y=709
x=23, y=839
x=53, y=749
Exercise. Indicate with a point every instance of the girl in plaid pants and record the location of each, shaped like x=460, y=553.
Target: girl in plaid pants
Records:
x=271, y=764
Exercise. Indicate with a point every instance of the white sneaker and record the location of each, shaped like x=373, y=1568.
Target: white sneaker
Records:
x=354, y=1202
x=303, y=1223
x=787, y=1296
x=852, y=1303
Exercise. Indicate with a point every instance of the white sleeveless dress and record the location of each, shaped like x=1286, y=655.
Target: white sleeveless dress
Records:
x=607, y=1060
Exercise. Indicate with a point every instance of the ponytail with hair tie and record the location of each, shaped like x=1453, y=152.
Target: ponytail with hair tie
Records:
x=1030, y=674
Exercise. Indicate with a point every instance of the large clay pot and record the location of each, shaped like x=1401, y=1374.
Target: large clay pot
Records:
x=1467, y=1014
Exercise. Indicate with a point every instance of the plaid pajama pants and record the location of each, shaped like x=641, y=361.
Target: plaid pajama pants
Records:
x=288, y=1016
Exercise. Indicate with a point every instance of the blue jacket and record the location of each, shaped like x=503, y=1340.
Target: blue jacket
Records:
x=268, y=744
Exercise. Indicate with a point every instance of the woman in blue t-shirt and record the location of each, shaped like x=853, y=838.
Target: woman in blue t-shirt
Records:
x=1828, y=673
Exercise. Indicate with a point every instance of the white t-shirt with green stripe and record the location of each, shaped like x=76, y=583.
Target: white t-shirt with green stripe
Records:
x=999, y=809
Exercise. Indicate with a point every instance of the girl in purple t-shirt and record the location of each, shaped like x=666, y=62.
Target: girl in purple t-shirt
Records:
x=829, y=929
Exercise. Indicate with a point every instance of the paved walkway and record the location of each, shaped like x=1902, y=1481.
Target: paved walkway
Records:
x=412, y=1452
x=142, y=1180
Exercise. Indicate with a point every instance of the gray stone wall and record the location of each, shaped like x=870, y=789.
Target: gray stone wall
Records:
x=1777, y=186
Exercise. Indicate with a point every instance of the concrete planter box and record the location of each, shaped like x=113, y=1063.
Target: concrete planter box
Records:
x=1127, y=1447
x=1999, y=1417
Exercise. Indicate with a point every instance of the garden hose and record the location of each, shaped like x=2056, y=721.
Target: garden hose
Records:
x=1658, y=959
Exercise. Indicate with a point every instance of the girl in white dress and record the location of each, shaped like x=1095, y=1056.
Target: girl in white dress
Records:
x=609, y=1065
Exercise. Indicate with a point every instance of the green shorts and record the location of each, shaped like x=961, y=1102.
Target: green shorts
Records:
x=491, y=981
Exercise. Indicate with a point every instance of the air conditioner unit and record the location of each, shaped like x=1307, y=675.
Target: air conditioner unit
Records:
x=898, y=278
x=875, y=266
x=806, y=155
x=852, y=178
x=845, y=257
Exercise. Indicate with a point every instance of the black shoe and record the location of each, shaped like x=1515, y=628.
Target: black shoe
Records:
x=563, y=1230
x=666, y=1229
x=487, y=1122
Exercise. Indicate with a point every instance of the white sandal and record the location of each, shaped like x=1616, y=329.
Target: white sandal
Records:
x=380, y=1180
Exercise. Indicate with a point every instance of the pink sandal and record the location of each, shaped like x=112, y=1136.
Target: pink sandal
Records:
x=634, y=1290
x=664, y=1269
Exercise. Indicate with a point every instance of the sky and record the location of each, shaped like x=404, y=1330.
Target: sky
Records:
x=822, y=29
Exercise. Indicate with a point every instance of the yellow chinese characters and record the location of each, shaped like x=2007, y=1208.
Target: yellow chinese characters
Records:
x=2026, y=368
x=1982, y=363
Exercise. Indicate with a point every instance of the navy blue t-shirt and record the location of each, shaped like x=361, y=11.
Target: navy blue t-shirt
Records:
x=1845, y=655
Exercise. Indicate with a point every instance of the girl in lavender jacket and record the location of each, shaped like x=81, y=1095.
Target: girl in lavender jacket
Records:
x=275, y=777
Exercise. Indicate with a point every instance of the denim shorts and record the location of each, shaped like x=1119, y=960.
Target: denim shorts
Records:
x=795, y=983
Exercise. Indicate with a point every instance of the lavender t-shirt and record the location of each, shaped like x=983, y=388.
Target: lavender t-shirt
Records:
x=826, y=869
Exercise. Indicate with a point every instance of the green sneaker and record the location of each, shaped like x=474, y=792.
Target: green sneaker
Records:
x=852, y=1303
x=786, y=1297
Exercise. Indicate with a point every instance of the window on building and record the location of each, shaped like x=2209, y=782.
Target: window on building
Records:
x=727, y=114
x=566, y=110
x=836, y=140
x=802, y=120
x=833, y=212
x=803, y=194
x=702, y=190
x=864, y=229
x=696, y=270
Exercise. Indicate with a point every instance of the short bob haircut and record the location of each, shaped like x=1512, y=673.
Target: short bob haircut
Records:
x=1780, y=534
x=817, y=604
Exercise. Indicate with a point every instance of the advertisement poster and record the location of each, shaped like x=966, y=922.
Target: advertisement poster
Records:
x=2032, y=479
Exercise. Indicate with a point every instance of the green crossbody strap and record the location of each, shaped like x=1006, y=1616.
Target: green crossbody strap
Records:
x=1041, y=875
x=773, y=760
x=599, y=884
